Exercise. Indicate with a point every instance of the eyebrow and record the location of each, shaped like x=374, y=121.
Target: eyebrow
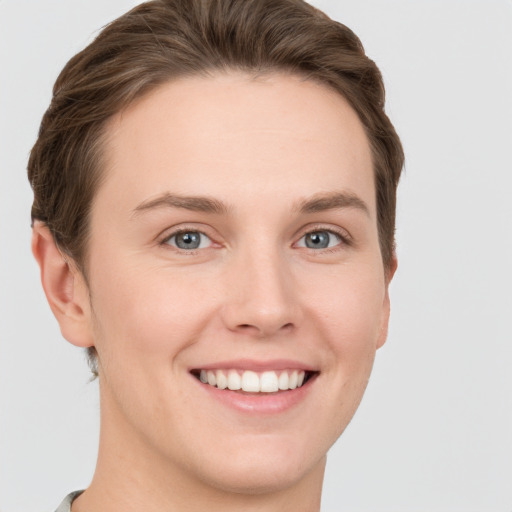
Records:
x=332, y=201
x=193, y=203
x=318, y=203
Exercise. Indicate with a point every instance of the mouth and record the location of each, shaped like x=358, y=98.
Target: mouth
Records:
x=253, y=382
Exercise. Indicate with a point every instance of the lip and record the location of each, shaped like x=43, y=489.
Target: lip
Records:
x=257, y=366
x=259, y=403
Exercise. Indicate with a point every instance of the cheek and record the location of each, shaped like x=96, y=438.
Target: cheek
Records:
x=146, y=313
x=349, y=315
x=343, y=311
x=144, y=322
x=349, y=308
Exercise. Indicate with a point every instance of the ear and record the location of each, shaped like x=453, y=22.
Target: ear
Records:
x=64, y=286
x=383, y=334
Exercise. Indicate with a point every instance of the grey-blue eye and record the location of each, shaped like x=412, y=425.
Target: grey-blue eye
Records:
x=322, y=239
x=189, y=240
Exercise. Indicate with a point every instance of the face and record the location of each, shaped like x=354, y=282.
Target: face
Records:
x=234, y=243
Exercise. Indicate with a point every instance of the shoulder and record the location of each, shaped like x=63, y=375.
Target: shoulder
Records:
x=65, y=506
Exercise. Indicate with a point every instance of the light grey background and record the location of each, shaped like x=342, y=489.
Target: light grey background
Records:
x=434, y=431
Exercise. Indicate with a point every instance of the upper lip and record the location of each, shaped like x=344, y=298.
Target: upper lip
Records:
x=257, y=365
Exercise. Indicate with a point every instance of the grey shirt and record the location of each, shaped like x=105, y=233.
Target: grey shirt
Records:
x=65, y=506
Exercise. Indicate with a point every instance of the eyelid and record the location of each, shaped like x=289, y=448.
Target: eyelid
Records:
x=342, y=234
x=162, y=239
x=201, y=237
x=169, y=233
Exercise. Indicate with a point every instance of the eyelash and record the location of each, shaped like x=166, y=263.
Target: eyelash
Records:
x=165, y=241
x=342, y=235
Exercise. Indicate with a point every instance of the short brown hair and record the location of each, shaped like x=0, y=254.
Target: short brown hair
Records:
x=162, y=40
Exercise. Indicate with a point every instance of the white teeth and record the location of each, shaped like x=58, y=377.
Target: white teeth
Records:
x=283, y=381
x=292, y=383
x=234, y=380
x=252, y=382
x=211, y=378
x=222, y=381
x=269, y=382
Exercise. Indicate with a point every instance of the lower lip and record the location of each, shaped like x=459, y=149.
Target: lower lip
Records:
x=260, y=403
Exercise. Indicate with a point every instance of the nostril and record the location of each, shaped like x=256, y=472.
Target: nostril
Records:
x=249, y=327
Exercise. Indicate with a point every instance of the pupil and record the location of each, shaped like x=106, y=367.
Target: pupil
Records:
x=319, y=239
x=190, y=240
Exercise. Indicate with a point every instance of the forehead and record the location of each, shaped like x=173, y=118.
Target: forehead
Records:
x=237, y=137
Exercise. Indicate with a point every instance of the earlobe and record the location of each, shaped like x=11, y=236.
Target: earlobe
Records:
x=386, y=304
x=392, y=268
x=64, y=287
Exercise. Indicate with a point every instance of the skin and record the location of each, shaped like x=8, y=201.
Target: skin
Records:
x=254, y=290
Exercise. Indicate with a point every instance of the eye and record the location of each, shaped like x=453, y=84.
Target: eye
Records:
x=188, y=240
x=322, y=239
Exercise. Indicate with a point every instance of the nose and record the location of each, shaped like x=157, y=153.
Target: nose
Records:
x=261, y=297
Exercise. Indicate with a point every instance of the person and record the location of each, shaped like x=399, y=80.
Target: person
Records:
x=214, y=205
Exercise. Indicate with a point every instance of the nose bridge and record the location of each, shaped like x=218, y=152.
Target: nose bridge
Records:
x=261, y=300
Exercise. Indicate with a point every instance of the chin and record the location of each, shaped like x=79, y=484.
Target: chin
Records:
x=270, y=468
x=258, y=478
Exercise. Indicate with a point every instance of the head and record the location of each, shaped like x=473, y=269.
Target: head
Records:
x=258, y=116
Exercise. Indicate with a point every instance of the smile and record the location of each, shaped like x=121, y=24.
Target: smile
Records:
x=254, y=382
